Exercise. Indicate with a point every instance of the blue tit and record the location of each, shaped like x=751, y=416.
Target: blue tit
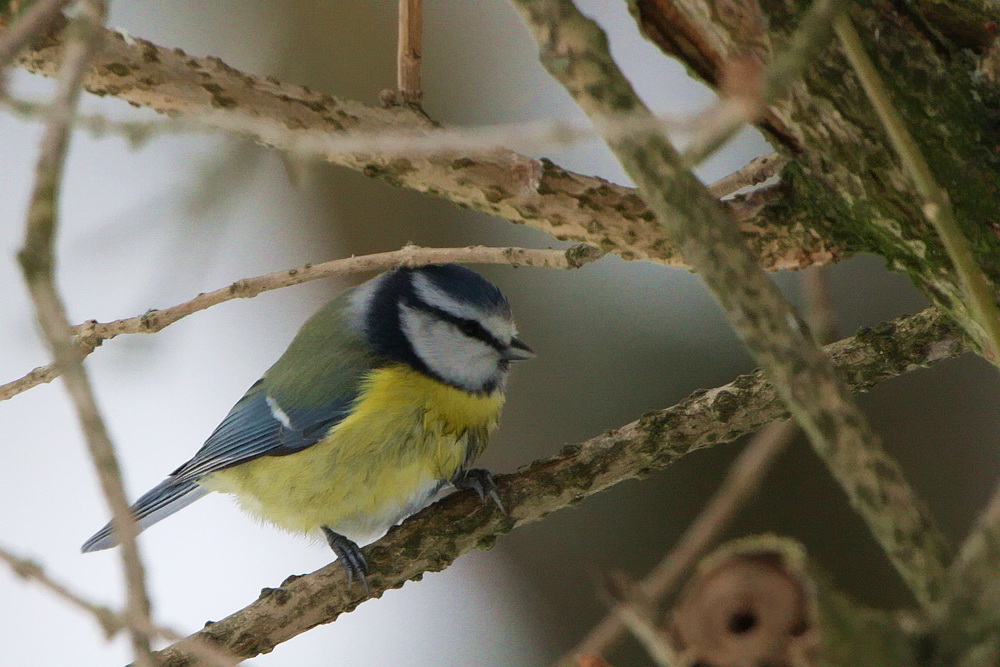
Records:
x=386, y=394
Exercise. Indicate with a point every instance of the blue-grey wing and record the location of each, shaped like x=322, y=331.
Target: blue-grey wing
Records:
x=158, y=503
x=258, y=425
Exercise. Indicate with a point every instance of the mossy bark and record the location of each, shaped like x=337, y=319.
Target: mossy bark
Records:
x=930, y=54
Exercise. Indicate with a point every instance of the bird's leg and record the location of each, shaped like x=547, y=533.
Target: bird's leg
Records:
x=481, y=481
x=350, y=556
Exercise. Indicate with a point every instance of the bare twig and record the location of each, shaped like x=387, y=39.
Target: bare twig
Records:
x=35, y=19
x=757, y=171
x=740, y=484
x=135, y=133
x=969, y=622
x=742, y=103
x=632, y=609
x=110, y=621
x=37, y=262
x=937, y=204
x=409, y=51
x=91, y=334
x=569, y=206
x=440, y=534
x=574, y=49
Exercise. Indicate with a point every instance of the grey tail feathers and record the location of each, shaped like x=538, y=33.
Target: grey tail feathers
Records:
x=158, y=503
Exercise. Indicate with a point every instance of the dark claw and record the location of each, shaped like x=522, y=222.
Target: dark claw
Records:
x=481, y=481
x=350, y=556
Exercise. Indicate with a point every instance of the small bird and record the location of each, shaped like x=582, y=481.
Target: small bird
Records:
x=386, y=394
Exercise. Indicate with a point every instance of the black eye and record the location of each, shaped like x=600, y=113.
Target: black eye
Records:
x=470, y=328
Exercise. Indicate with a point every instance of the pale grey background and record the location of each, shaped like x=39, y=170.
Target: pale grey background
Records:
x=153, y=227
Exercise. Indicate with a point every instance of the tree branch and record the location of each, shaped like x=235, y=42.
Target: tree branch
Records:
x=742, y=481
x=90, y=335
x=936, y=202
x=409, y=51
x=35, y=19
x=757, y=171
x=110, y=621
x=843, y=162
x=574, y=49
x=569, y=206
x=434, y=538
x=38, y=265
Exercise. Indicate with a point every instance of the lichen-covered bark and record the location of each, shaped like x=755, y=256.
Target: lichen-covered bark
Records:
x=928, y=53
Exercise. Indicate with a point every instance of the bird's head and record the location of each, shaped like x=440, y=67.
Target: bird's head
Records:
x=444, y=320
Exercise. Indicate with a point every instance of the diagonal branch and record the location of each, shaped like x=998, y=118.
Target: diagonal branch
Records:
x=937, y=205
x=91, y=334
x=574, y=49
x=34, y=20
x=569, y=206
x=435, y=537
x=110, y=621
x=38, y=265
x=742, y=481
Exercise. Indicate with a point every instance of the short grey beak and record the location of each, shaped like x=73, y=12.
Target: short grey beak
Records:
x=517, y=351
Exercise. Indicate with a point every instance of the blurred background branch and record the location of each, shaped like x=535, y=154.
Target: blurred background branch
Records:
x=840, y=190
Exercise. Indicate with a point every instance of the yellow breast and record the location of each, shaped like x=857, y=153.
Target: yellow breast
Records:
x=406, y=434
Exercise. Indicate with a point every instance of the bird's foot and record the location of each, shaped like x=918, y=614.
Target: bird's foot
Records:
x=481, y=481
x=350, y=556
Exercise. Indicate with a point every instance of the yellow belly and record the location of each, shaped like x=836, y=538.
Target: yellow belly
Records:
x=406, y=435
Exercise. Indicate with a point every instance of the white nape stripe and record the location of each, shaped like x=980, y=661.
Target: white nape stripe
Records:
x=360, y=301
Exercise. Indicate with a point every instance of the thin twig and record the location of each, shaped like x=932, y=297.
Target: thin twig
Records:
x=433, y=539
x=537, y=193
x=632, y=609
x=37, y=262
x=91, y=334
x=937, y=204
x=111, y=622
x=35, y=19
x=135, y=133
x=574, y=49
x=971, y=616
x=409, y=51
x=742, y=481
x=757, y=171
x=745, y=103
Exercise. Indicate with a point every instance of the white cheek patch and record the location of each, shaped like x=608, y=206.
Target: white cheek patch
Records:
x=458, y=359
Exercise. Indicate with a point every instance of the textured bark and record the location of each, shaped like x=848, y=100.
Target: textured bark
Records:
x=435, y=537
x=538, y=193
x=929, y=52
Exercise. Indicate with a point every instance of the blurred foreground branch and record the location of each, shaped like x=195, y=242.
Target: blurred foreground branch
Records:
x=37, y=259
x=569, y=206
x=434, y=538
x=575, y=51
x=111, y=622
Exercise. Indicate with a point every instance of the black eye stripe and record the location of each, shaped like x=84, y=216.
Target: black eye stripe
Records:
x=470, y=328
